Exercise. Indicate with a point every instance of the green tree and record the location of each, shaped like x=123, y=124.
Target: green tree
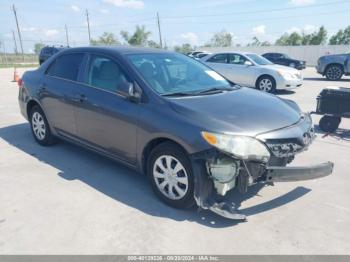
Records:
x=319, y=38
x=105, y=39
x=342, y=37
x=38, y=47
x=221, y=39
x=138, y=38
x=184, y=48
x=289, y=39
x=153, y=44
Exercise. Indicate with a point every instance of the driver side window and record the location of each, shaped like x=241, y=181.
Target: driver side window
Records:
x=105, y=74
x=236, y=59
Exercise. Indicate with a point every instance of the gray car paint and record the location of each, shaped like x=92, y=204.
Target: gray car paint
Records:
x=340, y=59
x=123, y=129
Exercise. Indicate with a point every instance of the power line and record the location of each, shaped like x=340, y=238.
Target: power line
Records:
x=14, y=40
x=259, y=19
x=258, y=11
x=19, y=31
x=159, y=31
x=88, y=24
x=67, y=40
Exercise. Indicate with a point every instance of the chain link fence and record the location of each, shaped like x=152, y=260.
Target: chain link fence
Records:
x=308, y=53
x=18, y=60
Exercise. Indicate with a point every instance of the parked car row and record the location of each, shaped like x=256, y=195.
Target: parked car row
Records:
x=334, y=66
x=48, y=51
x=252, y=70
x=192, y=131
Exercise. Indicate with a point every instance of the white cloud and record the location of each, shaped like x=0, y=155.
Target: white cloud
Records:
x=50, y=32
x=75, y=8
x=134, y=4
x=104, y=11
x=190, y=37
x=302, y=2
x=307, y=29
x=259, y=30
x=29, y=29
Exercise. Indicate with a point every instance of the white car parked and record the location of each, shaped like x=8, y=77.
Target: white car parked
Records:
x=252, y=70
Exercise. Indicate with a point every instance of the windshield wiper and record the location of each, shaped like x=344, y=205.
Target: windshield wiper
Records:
x=178, y=94
x=214, y=90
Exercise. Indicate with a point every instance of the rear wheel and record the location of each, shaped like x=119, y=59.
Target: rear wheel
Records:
x=170, y=174
x=266, y=84
x=329, y=123
x=334, y=72
x=40, y=127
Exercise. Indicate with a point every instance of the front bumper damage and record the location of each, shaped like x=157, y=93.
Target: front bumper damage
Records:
x=209, y=190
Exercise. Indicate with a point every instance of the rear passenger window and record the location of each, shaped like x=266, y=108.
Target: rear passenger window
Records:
x=105, y=74
x=220, y=58
x=66, y=66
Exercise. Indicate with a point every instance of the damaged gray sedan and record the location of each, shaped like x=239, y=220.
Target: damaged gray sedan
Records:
x=195, y=134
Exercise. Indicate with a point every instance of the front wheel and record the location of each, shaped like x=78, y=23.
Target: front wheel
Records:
x=170, y=174
x=334, y=72
x=266, y=84
x=40, y=127
x=329, y=123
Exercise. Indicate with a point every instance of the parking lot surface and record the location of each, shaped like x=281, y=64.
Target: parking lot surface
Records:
x=67, y=200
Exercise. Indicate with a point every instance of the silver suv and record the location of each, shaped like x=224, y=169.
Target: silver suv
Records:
x=334, y=66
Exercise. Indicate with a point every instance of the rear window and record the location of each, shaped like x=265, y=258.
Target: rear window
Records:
x=219, y=58
x=66, y=66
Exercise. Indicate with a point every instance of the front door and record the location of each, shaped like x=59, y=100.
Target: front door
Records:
x=104, y=119
x=245, y=74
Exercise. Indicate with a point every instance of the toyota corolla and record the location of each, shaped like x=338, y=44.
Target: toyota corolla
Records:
x=195, y=134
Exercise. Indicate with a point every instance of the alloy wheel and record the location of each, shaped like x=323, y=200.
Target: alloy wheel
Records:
x=265, y=85
x=38, y=125
x=334, y=73
x=171, y=177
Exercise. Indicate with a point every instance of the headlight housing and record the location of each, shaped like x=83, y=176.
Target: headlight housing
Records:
x=242, y=147
x=287, y=75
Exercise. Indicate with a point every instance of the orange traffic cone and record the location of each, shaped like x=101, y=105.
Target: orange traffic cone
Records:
x=15, y=76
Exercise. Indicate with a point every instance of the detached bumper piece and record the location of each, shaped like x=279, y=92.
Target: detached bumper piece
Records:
x=289, y=174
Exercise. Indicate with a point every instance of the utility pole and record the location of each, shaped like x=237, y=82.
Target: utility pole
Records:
x=19, y=31
x=67, y=39
x=160, y=33
x=88, y=24
x=14, y=40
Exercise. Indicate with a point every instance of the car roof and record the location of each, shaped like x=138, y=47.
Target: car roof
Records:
x=234, y=52
x=115, y=50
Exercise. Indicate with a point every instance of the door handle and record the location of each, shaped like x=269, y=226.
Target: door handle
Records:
x=79, y=98
x=42, y=87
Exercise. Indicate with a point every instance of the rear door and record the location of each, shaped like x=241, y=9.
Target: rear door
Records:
x=219, y=63
x=105, y=119
x=57, y=89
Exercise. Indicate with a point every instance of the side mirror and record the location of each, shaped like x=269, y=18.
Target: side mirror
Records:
x=131, y=91
x=248, y=63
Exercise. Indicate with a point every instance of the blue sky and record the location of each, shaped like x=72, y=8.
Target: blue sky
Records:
x=192, y=21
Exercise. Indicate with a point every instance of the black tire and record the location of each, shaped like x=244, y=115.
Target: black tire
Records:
x=292, y=65
x=267, y=79
x=47, y=138
x=170, y=149
x=334, y=72
x=329, y=124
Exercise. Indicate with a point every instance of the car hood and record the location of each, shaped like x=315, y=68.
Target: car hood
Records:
x=282, y=68
x=243, y=111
